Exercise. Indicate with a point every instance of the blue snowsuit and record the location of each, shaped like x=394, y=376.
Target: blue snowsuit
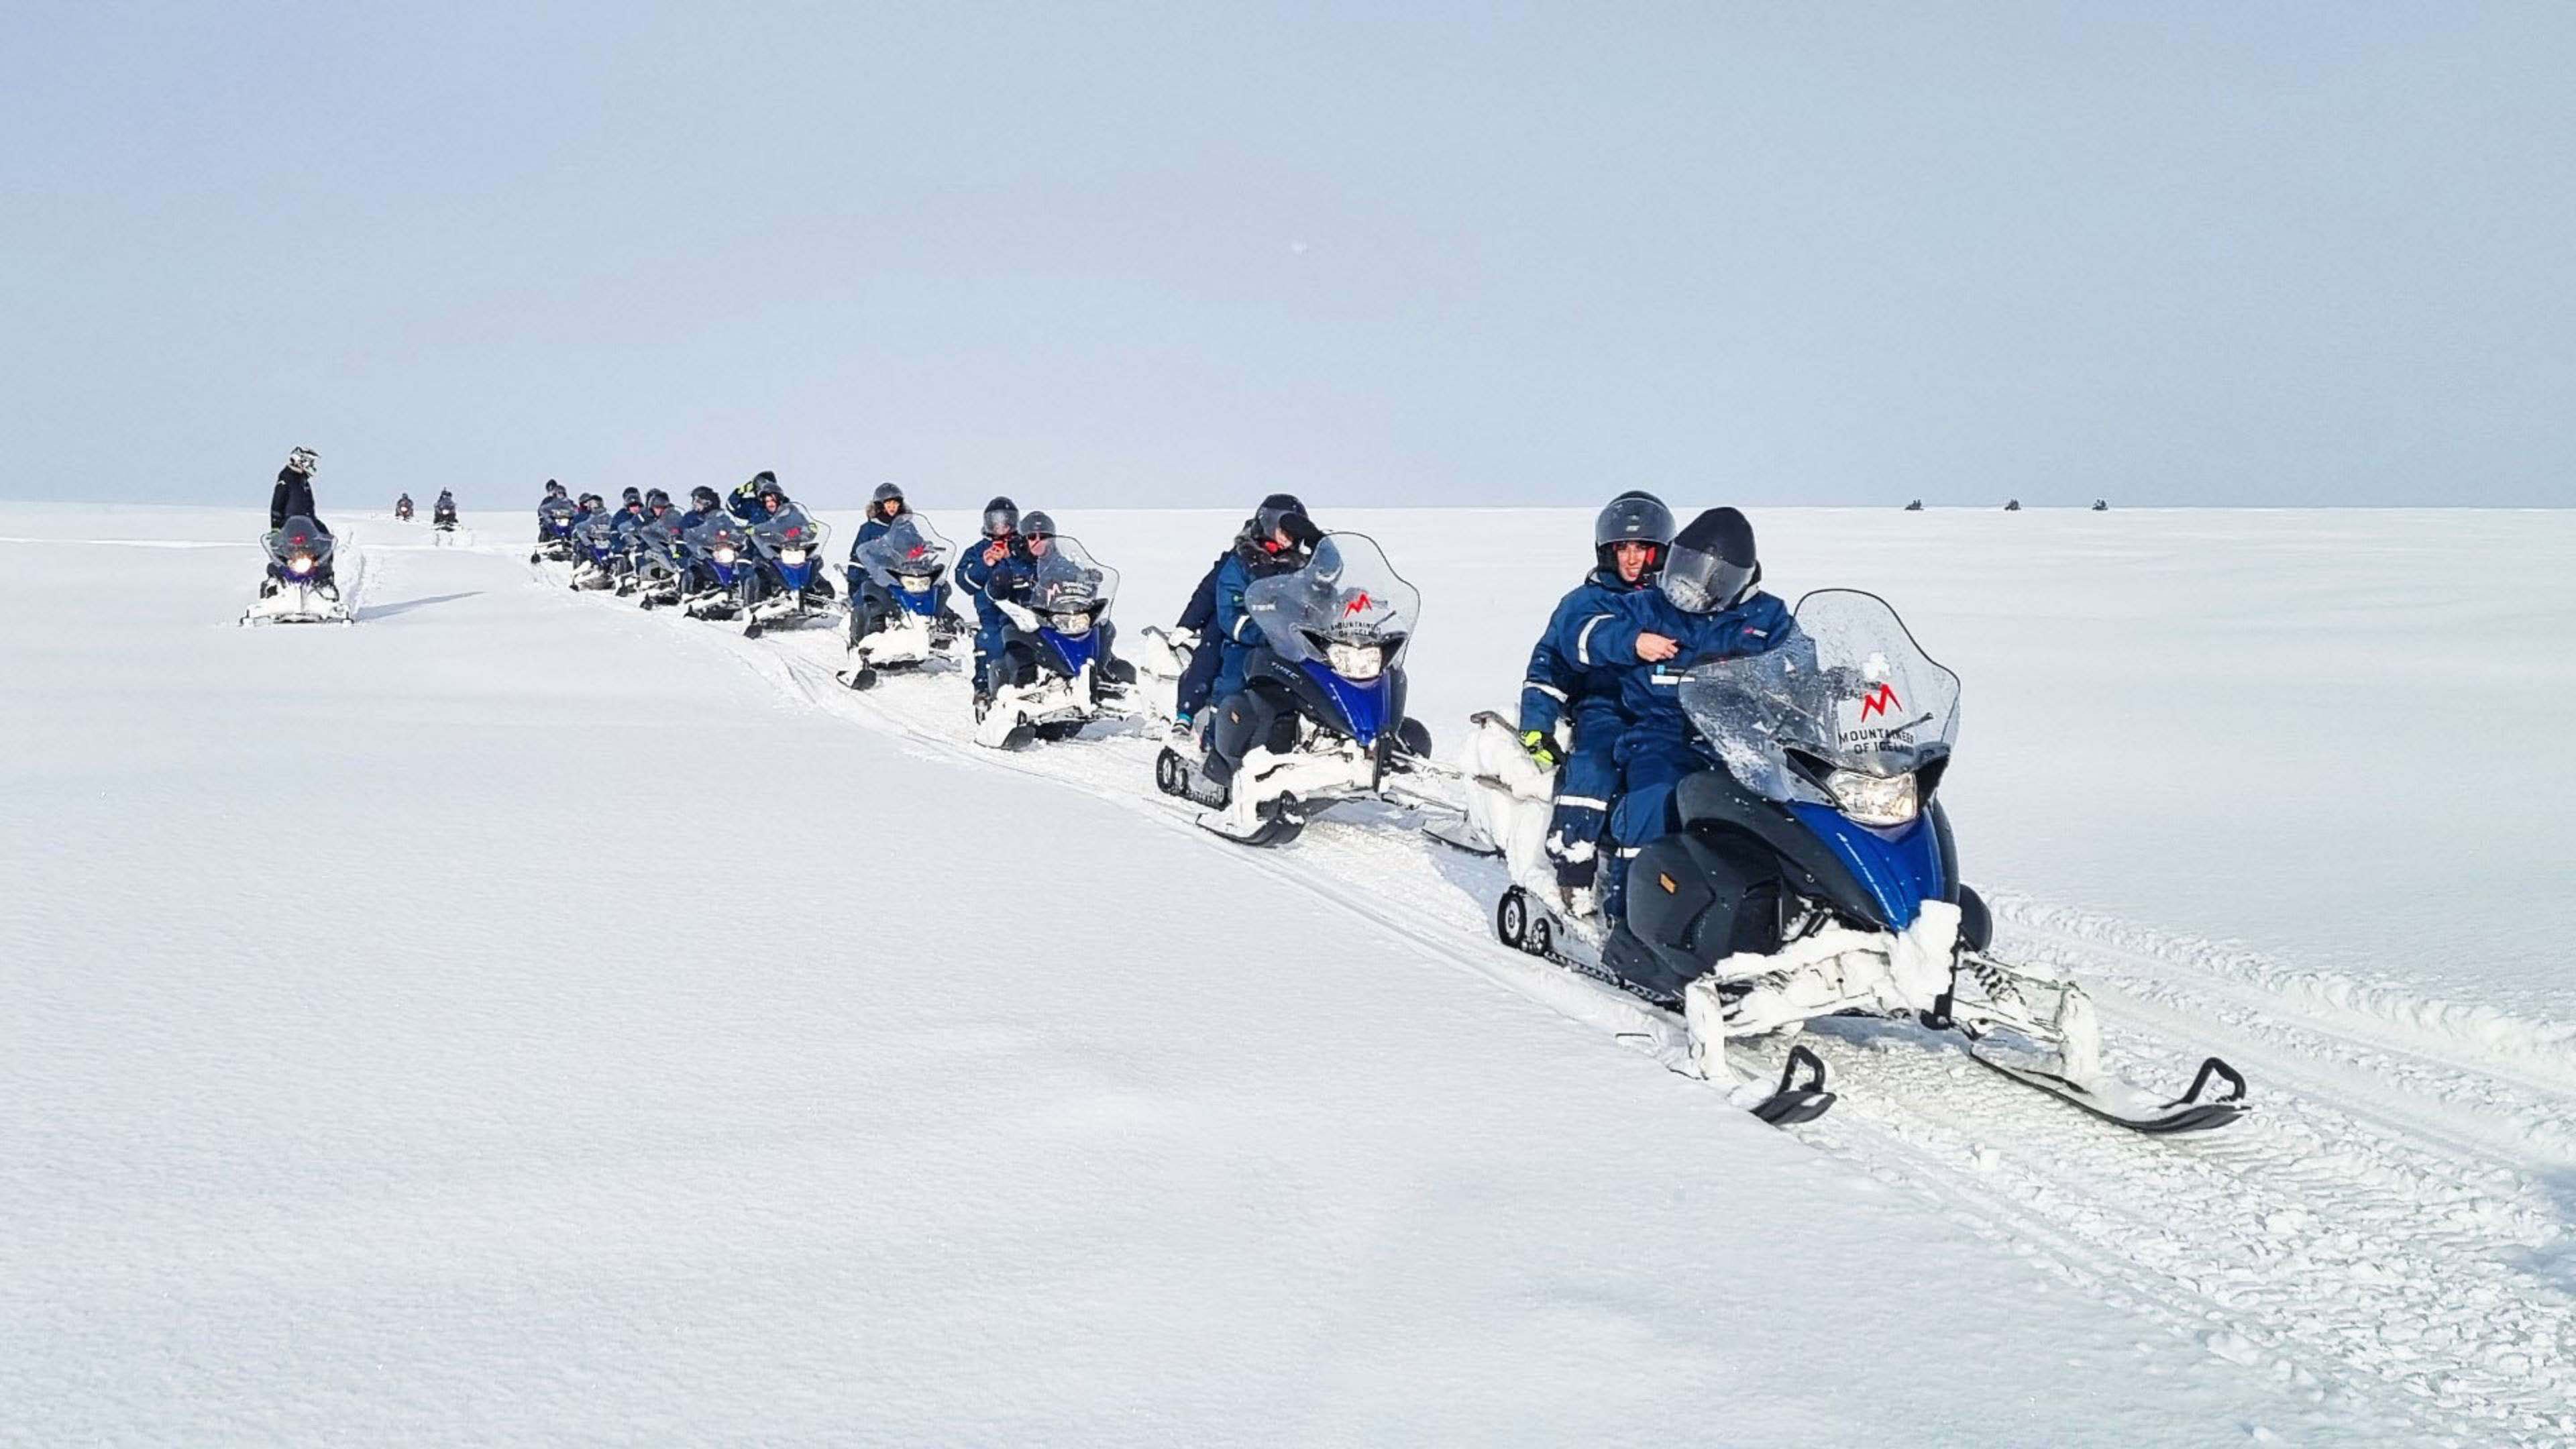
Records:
x=1658, y=747
x=982, y=578
x=1570, y=684
x=745, y=503
x=1236, y=631
x=1199, y=680
x=699, y=577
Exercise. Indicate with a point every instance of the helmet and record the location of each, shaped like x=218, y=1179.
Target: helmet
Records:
x=1712, y=564
x=554, y=489
x=589, y=500
x=1001, y=516
x=884, y=492
x=656, y=498
x=632, y=496
x=703, y=498
x=1274, y=513
x=299, y=460
x=1632, y=517
x=1037, y=525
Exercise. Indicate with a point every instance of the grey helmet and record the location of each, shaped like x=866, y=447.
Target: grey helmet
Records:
x=1633, y=517
x=1001, y=516
x=1037, y=525
x=1712, y=564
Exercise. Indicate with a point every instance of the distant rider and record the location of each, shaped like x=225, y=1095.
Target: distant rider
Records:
x=1570, y=708
x=1279, y=538
x=402, y=508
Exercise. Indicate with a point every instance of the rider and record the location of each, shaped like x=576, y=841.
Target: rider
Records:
x=293, y=498
x=869, y=604
x=1570, y=702
x=1706, y=606
x=402, y=506
x=1002, y=549
x=703, y=506
x=444, y=510
x=630, y=514
x=1015, y=579
x=758, y=498
x=1277, y=539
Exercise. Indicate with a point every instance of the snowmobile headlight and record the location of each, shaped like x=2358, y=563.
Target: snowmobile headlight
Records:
x=792, y=557
x=723, y=554
x=1874, y=799
x=1070, y=625
x=1358, y=663
x=914, y=583
x=302, y=563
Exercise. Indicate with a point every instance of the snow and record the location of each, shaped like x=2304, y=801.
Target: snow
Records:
x=517, y=1018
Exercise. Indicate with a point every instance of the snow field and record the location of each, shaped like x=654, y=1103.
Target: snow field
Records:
x=1392, y=1206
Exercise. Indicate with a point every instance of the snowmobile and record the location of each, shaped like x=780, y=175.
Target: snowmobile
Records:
x=599, y=551
x=1320, y=718
x=896, y=622
x=555, y=518
x=792, y=585
x=723, y=577
x=300, y=588
x=402, y=509
x=1055, y=672
x=661, y=572
x=442, y=517
x=1816, y=875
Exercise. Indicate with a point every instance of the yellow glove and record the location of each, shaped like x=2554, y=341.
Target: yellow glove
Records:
x=1541, y=748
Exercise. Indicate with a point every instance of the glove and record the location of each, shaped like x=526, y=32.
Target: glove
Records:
x=1540, y=747
x=1301, y=530
x=1019, y=614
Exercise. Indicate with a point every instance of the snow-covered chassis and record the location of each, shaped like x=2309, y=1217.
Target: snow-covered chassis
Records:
x=1814, y=874
x=299, y=555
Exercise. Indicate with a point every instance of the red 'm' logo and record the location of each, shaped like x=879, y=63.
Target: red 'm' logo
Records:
x=1357, y=604
x=1880, y=702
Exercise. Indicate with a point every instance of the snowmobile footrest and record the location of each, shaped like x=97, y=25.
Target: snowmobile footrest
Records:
x=1797, y=1101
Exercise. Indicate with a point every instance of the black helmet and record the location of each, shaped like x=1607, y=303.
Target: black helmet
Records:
x=554, y=489
x=1001, y=516
x=655, y=498
x=1037, y=525
x=591, y=500
x=884, y=492
x=1632, y=517
x=1274, y=513
x=1712, y=564
x=633, y=496
x=703, y=498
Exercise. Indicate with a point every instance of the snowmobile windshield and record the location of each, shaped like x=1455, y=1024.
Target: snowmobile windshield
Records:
x=790, y=529
x=560, y=509
x=598, y=526
x=719, y=534
x=1849, y=689
x=911, y=548
x=1066, y=579
x=299, y=537
x=1347, y=594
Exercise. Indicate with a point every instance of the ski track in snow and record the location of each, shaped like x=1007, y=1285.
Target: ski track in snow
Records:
x=2386, y=1233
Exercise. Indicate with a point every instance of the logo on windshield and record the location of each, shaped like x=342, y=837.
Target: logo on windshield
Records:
x=1880, y=702
x=1361, y=601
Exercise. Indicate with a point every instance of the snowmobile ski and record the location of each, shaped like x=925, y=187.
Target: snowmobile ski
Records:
x=2117, y=1101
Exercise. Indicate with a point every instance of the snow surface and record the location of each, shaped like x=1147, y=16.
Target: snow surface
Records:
x=517, y=1018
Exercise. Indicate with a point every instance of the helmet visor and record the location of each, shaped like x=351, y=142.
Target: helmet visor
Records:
x=1703, y=583
x=1000, y=521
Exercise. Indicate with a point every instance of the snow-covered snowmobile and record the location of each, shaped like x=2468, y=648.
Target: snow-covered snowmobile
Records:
x=301, y=587
x=896, y=622
x=1055, y=673
x=555, y=518
x=598, y=551
x=723, y=575
x=661, y=573
x=1816, y=875
x=793, y=585
x=1320, y=718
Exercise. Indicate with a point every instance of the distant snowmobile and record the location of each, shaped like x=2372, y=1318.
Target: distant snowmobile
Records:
x=402, y=509
x=2101, y=505
x=598, y=551
x=661, y=573
x=895, y=622
x=301, y=587
x=1816, y=876
x=2012, y=505
x=1914, y=507
x=442, y=515
x=555, y=518
x=1054, y=672
x=1321, y=716
x=792, y=585
x=723, y=569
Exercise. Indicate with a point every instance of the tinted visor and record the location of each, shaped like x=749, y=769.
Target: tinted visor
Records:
x=1000, y=521
x=1703, y=583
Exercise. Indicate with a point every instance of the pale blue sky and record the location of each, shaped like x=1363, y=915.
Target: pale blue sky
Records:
x=1185, y=254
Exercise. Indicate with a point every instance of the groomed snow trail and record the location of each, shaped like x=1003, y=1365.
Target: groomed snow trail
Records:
x=2387, y=1235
